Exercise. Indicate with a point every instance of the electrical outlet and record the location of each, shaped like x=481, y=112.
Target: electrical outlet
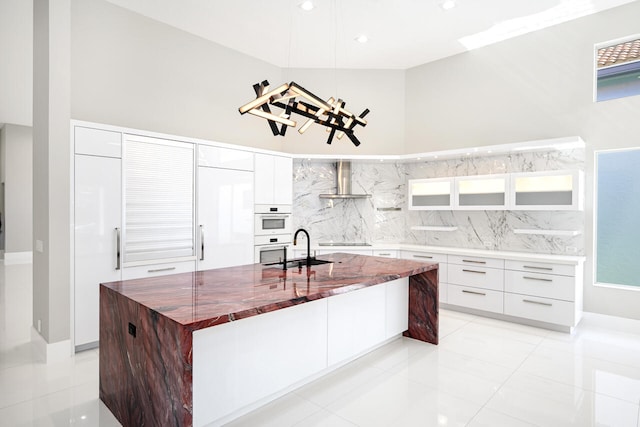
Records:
x=39, y=246
x=39, y=325
x=488, y=244
x=571, y=250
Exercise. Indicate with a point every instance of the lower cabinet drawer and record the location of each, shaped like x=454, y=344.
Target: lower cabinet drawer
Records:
x=385, y=253
x=154, y=270
x=480, y=299
x=541, y=285
x=542, y=309
x=477, y=277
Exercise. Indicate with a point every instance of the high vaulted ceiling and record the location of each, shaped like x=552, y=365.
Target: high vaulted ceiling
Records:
x=402, y=33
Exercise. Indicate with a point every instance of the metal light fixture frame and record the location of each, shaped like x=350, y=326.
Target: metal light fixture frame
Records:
x=292, y=98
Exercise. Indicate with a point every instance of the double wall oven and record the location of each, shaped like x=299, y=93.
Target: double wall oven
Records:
x=272, y=233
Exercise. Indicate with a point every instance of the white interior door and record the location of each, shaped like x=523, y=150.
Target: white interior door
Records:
x=225, y=218
x=97, y=224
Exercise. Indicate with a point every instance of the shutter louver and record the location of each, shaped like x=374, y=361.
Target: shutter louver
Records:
x=159, y=193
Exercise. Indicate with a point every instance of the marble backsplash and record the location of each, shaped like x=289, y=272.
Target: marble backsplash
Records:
x=385, y=218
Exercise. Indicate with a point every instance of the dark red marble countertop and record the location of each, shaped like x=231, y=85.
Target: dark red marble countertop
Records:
x=206, y=298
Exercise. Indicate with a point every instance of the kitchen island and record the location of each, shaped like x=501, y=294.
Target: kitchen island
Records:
x=205, y=347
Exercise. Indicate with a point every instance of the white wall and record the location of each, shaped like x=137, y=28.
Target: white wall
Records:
x=17, y=215
x=132, y=71
x=535, y=86
x=16, y=54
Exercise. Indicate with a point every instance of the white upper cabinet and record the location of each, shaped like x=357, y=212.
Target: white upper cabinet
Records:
x=97, y=142
x=273, y=180
x=431, y=194
x=482, y=192
x=226, y=158
x=549, y=190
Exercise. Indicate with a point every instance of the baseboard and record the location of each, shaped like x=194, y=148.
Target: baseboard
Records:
x=50, y=353
x=18, y=257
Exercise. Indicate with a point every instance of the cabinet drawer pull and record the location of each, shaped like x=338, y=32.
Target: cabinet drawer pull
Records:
x=118, y=244
x=423, y=256
x=384, y=254
x=537, y=278
x=474, y=293
x=201, y=242
x=548, y=304
x=474, y=271
x=538, y=268
x=157, y=270
x=474, y=261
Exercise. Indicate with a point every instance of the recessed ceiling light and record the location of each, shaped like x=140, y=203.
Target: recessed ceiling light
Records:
x=362, y=38
x=448, y=4
x=306, y=5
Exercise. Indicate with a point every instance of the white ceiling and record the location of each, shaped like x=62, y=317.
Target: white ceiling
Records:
x=402, y=33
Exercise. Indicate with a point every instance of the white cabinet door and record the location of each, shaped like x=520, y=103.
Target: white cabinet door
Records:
x=431, y=194
x=225, y=218
x=97, y=213
x=273, y=180
x=282, y=180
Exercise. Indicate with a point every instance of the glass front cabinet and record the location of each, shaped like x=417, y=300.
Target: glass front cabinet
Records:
x=485, y=192
x=549, y=190
x=431, y=194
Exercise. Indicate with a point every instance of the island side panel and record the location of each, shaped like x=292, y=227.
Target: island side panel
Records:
x=146, y=379
x=423, y=307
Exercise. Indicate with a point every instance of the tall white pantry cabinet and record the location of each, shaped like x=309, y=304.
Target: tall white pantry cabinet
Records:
x=145, y=206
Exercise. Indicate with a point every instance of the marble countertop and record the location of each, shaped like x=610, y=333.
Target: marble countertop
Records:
x=516, y=256
x=206, y=298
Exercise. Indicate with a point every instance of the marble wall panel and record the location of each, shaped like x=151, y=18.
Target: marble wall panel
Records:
x=376, y=220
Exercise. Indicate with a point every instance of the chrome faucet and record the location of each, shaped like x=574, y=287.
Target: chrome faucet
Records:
x=295, y=239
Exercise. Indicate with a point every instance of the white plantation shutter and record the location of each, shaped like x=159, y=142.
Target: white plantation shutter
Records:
x=159, y=195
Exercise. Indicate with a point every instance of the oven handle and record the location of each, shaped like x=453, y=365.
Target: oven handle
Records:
x=281, y=216
x=272, y=247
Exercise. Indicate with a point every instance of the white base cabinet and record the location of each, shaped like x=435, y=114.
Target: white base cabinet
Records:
x=540, y=291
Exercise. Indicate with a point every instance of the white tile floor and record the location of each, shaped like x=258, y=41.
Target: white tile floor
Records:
x=484, y=373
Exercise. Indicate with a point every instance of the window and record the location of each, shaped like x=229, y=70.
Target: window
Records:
x=618, y=69
x=617, y=213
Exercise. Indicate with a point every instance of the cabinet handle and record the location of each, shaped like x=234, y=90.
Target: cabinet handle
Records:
x=201, y=242
x=537, y=278
x=157, y=270
x=118, y=248
x=474, y=293
x=474, y=271
x=384, y=254
x=537, y=302
x=474, y=261
x=423, y=256
x=538, y=268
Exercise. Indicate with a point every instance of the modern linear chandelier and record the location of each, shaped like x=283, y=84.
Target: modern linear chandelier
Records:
x=292, y=98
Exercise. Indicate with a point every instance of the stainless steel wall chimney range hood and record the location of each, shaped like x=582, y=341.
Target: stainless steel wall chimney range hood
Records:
x=343, y=183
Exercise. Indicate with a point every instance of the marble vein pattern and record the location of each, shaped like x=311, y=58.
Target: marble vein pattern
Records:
x=370, y=220
x=147, y=325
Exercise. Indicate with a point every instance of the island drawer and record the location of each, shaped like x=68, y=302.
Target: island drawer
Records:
x=480, y=299
x=154, y=270
x=541, y=267
x=541, y=285
x=541, y=309
x=423, y=256
x=476, y=261
x=479, y=277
